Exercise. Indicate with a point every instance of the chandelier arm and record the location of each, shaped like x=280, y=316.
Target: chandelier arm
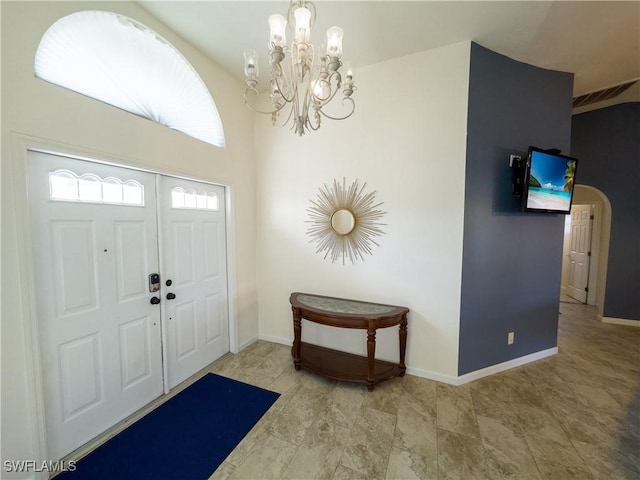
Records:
x=311, y=126
x=324, y=101
x=308, y=99
x=284, y=97
x=248, y=104
x=288, y=116
x=353, y=108
x=295, y=101
x=308, y=121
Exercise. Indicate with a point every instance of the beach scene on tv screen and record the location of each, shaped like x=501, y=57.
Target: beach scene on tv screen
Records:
x=550, y=182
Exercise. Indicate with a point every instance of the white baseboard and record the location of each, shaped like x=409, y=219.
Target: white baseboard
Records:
x=501, y=367
x=620, y=321
x=266, y=338
x=273, y=339
x=246, y=343
x=484, y=372
x=461, y=380
x=438, y=377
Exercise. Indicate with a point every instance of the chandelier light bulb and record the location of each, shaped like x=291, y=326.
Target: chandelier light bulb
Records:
x=251, y=66
x=303, y=24
x=348, y=77
x=317, y=89
x=334, y=41
x=278, y=25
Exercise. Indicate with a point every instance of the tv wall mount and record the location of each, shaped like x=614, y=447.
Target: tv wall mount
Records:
x=518, y=166
x=517, y=174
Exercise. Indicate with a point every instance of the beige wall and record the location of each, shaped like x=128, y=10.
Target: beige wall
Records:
x=36, y=113
x=407, y=141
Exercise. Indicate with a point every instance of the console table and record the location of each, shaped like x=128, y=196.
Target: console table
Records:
x=344, y=313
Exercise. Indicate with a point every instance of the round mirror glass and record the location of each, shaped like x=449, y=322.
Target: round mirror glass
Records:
x=343, y=221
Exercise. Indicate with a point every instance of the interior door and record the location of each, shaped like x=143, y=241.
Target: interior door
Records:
x=192, y=219
x=94, y=246
x=580, y=252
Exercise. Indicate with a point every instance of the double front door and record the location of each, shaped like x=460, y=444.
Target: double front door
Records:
x=130, y=274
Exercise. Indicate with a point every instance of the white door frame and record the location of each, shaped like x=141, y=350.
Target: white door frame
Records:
x=20, y=146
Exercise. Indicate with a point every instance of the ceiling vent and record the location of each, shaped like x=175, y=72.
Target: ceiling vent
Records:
x=601, y=95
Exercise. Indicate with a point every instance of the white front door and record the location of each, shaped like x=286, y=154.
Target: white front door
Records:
x=194, y=283
x=580, y=252
x=94, y=246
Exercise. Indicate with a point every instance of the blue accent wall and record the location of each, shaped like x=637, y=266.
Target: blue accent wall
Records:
x=607, y=143
x=512, y=261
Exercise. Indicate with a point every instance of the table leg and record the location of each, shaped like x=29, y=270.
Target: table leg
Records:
x=403, y=344
x=297, y=338
x=371, y=356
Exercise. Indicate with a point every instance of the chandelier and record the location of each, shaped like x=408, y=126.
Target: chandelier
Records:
x=303, y=80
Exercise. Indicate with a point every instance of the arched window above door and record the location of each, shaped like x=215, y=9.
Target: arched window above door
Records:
x=119, y=61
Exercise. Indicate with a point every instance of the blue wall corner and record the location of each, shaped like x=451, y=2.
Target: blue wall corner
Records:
x=512, y=261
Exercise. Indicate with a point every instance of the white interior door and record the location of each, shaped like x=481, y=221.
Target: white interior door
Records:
x=94, y=245
x=192, y=218
x=580, y=252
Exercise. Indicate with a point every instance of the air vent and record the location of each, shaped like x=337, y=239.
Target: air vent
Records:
x=601, y=95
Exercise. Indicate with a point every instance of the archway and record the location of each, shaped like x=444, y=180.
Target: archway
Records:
x=601, y=231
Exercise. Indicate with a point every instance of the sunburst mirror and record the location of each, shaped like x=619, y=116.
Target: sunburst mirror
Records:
x=344, y=221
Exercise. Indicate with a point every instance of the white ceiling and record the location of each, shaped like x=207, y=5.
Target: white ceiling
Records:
x=599, y=41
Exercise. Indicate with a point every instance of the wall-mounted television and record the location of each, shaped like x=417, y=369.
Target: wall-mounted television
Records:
x=548, y=181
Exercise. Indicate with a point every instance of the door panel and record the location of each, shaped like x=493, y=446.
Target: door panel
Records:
x=131, y=268
x=214, y=317
x=194, y=260
x=135, y=361
x=81, y=375
x=183, y=253
x=74, y=266
x=99, y=335
x=185, y=320
x=211, y=234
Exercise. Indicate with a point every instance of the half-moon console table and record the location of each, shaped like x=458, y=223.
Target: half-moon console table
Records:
x=344, y=313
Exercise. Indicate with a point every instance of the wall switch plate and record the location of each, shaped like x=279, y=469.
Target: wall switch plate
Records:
x=511, y=338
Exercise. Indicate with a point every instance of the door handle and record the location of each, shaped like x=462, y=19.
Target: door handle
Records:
x=155, y=300
x=171, y=296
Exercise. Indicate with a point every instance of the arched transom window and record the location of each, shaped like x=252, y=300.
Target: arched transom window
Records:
x=117, y=60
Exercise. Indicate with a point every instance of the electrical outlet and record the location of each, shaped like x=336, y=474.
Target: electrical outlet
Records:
x=511, y=338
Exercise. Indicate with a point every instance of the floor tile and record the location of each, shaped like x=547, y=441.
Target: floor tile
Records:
x=572, y=416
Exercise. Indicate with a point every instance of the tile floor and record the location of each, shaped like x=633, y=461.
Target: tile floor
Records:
x=575, y=415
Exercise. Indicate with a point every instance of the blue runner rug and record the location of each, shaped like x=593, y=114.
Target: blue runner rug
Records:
x=185, y=438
